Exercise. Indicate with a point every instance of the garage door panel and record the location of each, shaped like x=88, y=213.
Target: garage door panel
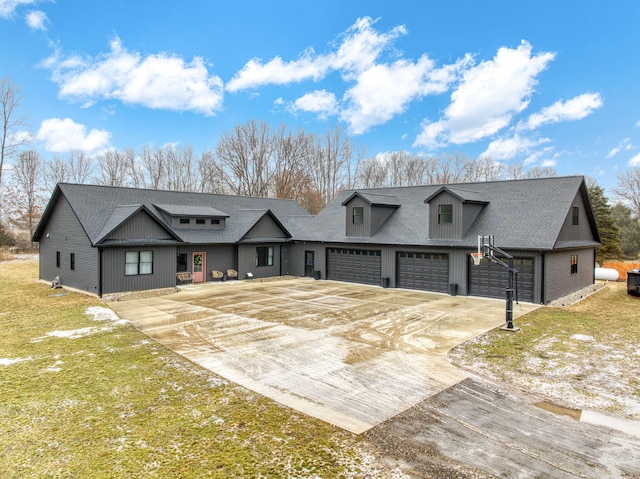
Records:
x=491, y=280
x=354, y=266
x=424, y=271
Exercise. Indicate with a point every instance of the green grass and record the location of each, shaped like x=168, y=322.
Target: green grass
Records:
x=585, y=356
x=115, y=404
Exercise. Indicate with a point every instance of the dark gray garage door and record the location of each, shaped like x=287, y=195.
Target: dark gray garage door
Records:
x=490, y=280
x=426, y=271
x=354, y=265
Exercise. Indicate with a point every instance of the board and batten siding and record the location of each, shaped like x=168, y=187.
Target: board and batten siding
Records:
x=266, y=227
x=140, y=226
x=219, y=257
x=361, y=230
x=114, y=279
x=64, y=233
x=453, y=230
x=247, y=261
x=558, y=278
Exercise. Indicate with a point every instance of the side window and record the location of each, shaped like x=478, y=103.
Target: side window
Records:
x=358, y=215
x=574, y=264
x=264, y=256
x=138, y=262
x=72, y=261
x=575, y=215
x=445, y=214
x=57, y=259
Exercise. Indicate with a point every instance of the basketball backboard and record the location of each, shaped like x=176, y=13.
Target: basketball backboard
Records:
x=483, y=242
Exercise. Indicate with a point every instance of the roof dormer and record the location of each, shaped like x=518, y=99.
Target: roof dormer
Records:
x=452, y=211
x=367, y=212
x=193, y=217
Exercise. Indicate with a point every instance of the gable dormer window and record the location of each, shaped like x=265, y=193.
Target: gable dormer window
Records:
x=358, y=215
x=445, y=214
x=184, y=221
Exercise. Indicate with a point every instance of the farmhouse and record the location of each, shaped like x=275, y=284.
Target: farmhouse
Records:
x=103, y=239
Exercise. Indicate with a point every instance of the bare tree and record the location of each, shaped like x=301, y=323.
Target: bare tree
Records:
x=154, y=164
x=331, y=157
x=27, y=174
x=113, y=167
x=447, y=169
x=57, y=171
x=211, y=174
x=372, y=173
x=180, y=169
x=11, y=140
x=292, y=161
x=540, y=172
x=244, y=155
x=75, y=169
x=484, y=168
x=628, y=190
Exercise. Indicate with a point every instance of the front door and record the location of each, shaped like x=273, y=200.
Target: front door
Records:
x=309, y=263
x=199, y=266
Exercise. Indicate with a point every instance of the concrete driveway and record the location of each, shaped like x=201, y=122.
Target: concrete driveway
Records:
x=351, y=355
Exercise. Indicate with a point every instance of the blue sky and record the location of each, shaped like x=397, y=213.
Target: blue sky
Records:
x=539, y=83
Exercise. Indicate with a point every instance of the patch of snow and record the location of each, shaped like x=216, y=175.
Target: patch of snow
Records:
x=582, y=337
x=9, y=362
x=98, y=313
x=76, y=333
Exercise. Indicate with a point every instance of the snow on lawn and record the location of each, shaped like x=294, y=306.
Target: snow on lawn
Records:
x=9, y=361
x=97, y=313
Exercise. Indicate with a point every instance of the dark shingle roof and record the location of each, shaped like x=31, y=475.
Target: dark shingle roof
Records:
x=521, y=214
x=101, y=208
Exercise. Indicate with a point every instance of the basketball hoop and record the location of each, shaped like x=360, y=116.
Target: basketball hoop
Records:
x=477, y=257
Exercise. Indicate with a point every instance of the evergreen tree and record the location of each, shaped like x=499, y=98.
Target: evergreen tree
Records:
x=629, y=231
x=607, y=227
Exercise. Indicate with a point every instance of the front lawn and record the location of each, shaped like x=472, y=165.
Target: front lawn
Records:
x=82, y=395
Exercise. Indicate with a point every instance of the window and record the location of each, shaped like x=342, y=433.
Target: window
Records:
x=72, y=261
x=575, y=215
x=199, y=221
x=184, y=221
x=264, y=256
x=181, y=264
x=574, y=264
x=358, y=215
x=215, y=222
x=57, y=259
x=138, y=262
x=445, y=214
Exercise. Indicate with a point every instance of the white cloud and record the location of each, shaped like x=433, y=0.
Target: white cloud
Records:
x=624, y=145
x=507, y=148
x=385, y=90
x=361, y=46
x=575, y=109
x=488, y=97
x=159, y=81
x=635, y=161
x=321, y=102
x=8, y=7
x=36, y=20
x=62, y=135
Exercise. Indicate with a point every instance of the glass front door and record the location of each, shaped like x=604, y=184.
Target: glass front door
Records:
x=197, y=274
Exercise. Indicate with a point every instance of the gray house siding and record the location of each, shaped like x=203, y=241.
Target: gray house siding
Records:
x=452, y=230
x=363, y=229
x=247, y=261
x=114, y=279
x=64, y=234
x=265, y=228
x=219, y=257
x=140, y=226
x=571, y=232
x=558, y=278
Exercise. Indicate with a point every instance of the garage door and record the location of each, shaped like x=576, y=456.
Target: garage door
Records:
x=426, y=271
x=354, y=265
x=490, y=279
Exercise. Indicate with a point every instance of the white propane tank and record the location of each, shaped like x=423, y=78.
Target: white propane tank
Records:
x=606, y=274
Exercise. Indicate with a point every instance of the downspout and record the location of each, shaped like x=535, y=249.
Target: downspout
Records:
x=543, y=279
x=99, y=272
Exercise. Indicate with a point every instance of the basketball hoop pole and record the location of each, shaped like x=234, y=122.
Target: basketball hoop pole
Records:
x=510, y=285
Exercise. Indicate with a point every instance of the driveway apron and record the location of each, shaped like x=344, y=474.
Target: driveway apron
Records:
x=351, y=355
